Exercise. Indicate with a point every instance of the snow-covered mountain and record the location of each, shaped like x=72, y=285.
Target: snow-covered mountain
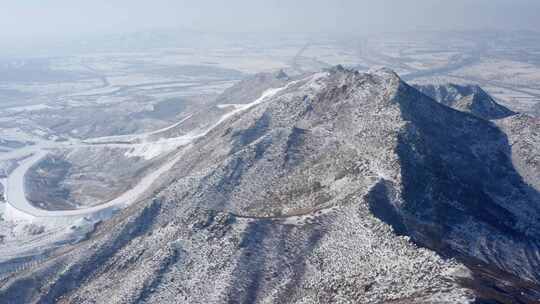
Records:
x=336, y=187
x=466, y=98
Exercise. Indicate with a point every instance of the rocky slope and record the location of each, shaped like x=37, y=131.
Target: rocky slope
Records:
x=466, y=98
x=523, y=133
x=251, y=88
x=242, y=93
x=322, y=192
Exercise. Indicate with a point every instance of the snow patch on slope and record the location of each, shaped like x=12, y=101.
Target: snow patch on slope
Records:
x=151, y=150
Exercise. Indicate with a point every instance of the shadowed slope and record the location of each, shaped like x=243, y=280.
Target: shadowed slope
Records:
x=279, y=203
x=469, y=98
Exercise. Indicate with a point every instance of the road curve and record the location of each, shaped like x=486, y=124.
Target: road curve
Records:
x=19, y=206
x=16, y=198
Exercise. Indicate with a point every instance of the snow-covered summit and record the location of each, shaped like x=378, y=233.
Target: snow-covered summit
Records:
x=337, y=186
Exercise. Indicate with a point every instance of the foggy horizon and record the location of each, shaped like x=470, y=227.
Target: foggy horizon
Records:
x=66, y=19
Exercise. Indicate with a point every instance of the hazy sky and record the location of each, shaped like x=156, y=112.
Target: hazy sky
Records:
x=38, y=18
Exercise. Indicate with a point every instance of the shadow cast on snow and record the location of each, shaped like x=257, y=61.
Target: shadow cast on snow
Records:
x=458, y=194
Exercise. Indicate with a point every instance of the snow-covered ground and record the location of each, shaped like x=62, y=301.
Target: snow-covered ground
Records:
x=19, y=206
x=54, y=227
x=35, y=107
x=151, y=150
x=122, y=76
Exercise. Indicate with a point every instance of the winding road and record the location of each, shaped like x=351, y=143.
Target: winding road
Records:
x=31, y=155
x=19, y=206
x=16, y=197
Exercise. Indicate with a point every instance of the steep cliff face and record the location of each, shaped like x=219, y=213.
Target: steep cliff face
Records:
x=320, y=191
x=466, y=98
x=464, y=194
x=523, y=133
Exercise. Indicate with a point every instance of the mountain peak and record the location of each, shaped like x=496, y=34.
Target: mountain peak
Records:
x=282, y=75
x=466, y=98
x=383, y=72
x=311, y=190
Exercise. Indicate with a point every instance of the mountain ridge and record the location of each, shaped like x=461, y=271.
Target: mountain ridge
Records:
x=318, y=193
x=466, y=98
